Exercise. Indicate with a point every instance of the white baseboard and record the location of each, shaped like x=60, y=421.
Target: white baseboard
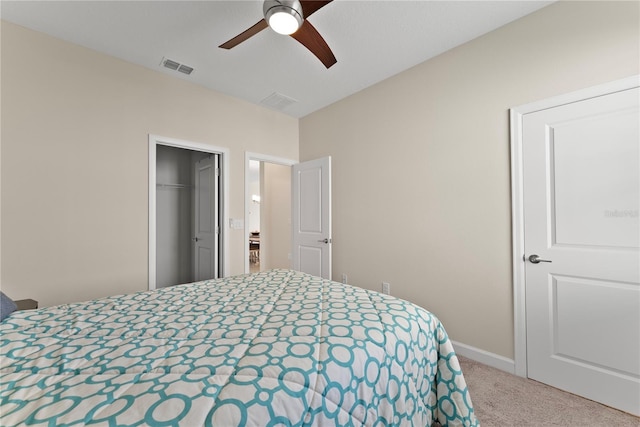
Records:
x=485, y=357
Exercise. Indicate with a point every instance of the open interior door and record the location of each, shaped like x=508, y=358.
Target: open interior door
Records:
x=311, y=216
x=207, y=230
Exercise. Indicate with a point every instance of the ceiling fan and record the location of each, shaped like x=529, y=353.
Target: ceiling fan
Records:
x=290, y=17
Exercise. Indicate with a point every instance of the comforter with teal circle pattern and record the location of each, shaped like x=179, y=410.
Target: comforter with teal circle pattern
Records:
x=278, y=348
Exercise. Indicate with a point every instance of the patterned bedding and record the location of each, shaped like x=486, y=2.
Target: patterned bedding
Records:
x=272, y=349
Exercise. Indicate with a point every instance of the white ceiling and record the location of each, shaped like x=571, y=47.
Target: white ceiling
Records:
x=372, y=40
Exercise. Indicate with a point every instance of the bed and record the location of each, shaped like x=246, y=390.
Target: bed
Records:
x=276, y=348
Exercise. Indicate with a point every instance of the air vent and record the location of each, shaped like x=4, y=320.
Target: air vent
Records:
x=176, y=66
x=277, y=101
x=172, y=65
x=184, y=69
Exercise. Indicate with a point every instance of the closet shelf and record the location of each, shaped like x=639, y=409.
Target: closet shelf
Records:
x=176, y=186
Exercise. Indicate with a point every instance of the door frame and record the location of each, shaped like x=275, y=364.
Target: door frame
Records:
x=155, y=140
x=517, y=201
x=248, y=156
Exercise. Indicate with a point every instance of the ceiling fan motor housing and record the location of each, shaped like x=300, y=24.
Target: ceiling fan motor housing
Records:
x=289, y=8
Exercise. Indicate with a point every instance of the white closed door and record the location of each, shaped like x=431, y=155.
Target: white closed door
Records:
x=311, y=217
x=581, y=186
x=206, y=227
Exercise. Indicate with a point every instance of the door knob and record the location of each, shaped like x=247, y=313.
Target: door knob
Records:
x=535, y=259
x=195, y=239
x=324, y=241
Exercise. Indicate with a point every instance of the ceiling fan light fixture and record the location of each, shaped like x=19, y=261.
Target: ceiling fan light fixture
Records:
x=283, y=16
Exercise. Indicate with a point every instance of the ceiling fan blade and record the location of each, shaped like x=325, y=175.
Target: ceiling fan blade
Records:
x=310, y=38
x=261, y=25
x=311, y=6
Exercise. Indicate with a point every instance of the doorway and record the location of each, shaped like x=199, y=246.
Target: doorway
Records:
x=186, y=212
x=267, y=212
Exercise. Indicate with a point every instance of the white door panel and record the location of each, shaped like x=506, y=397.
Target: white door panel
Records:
x=311, y=205
x=581, y=178
x=596, y=178
x=310, y=260
x=583, y=308
x=204, y=269
x=310, y=190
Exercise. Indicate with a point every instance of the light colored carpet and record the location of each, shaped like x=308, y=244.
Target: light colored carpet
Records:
x=502, y=399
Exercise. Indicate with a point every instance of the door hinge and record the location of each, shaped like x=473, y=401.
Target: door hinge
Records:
x=217, y=171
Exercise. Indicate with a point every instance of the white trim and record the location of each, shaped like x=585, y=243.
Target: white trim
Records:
x=580, y=95
x=484, y=357
x=155, y=140
x=247, y=197
x=517, y=219
x=517, y=198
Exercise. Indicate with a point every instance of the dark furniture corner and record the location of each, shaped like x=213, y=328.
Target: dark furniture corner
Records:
x=26, y=304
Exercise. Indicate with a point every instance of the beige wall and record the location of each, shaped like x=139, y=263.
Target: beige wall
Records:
x=421, y=193
x=75, y=127
x=275, y=216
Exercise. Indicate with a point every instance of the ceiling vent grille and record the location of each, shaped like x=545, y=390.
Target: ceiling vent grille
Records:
x=277, y=101
x=176, y=66
x=185, y=69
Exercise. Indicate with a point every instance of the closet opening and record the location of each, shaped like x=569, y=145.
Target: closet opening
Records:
x=186, y=213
